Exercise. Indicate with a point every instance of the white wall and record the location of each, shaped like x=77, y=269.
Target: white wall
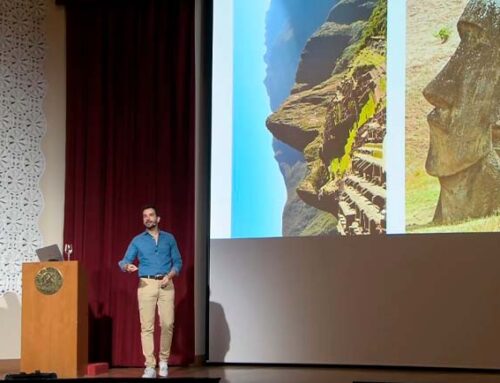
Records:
x=10, y=328
x=52, y=182
x=54, y=142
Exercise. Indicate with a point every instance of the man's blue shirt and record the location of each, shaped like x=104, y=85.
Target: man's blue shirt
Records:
x=154, y=258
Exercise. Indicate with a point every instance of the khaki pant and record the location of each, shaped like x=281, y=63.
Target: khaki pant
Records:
x=149, y=295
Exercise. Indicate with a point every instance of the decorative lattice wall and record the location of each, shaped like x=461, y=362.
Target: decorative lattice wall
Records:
x=22, y=127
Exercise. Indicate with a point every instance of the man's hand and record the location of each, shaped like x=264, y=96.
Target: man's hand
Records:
x=130, y=268
x=165, y=280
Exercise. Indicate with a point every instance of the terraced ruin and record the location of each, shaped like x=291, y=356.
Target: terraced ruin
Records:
x=339, y=122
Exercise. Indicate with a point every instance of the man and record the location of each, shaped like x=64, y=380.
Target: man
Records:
x=159, y=262
x=465, y=122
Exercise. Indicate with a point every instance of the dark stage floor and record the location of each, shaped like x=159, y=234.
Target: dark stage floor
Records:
x=268, y=374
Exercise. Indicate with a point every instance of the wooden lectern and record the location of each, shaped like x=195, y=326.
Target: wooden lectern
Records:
x=54, y=335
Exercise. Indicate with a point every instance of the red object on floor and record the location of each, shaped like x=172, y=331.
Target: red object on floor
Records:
x=94, y=369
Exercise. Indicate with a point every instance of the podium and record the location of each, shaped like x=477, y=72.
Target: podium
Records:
x=54, y=332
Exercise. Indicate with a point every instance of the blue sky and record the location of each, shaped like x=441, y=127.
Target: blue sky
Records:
x=259, y=193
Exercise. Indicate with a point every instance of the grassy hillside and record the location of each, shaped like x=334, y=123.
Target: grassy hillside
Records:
x=426, y=56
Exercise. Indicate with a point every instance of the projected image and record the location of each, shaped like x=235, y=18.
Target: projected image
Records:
x=308, y=118
x=453, y=124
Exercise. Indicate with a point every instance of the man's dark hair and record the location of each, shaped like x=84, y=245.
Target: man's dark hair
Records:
x=150, y=206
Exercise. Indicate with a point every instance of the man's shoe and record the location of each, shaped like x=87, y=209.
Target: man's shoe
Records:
x=163, y=372
x=149, y=372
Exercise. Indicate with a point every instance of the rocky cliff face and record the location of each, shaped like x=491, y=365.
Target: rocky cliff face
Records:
x=343, y=27
x=335, y=116
x=287, y=33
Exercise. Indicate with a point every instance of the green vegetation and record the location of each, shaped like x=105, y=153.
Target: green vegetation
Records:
x=360, y=56
x=339, y=166
x=375, y=28
x=443, y=34
x=487, y=224
x=377, y=24
x=366, y=58
x=377, y=149
x=422, y=194
x=378, y=153
x=383, y=85
x=323, y=224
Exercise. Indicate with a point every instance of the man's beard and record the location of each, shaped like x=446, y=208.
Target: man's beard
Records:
x=150, y=225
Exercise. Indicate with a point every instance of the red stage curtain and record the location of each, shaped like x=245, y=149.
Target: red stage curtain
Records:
x=130, y=141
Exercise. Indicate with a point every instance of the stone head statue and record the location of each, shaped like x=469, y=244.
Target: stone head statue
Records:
x=466, y=118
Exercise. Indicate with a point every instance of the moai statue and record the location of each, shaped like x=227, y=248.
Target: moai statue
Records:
x=465, y=123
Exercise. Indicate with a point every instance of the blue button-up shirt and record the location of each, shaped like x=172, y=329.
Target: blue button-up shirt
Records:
x=154, y=258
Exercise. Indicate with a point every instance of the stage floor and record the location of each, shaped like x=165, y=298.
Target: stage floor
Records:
x=268, y=374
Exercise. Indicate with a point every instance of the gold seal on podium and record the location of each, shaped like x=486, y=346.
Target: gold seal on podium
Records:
x=48, y=280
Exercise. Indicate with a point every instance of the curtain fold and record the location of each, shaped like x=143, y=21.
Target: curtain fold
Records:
x=130, y=141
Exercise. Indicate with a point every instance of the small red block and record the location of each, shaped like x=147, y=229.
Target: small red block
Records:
x=94, y=369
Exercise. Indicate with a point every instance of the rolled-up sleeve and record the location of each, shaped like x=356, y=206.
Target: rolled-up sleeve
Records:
x=130, y=256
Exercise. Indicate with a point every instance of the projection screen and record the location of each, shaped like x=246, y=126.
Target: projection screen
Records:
x=355, y=182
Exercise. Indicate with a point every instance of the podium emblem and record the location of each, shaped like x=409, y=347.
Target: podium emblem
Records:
x=48, y=280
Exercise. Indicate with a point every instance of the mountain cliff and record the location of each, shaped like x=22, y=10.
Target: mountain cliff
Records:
x=287, y=32
x=335, y=116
